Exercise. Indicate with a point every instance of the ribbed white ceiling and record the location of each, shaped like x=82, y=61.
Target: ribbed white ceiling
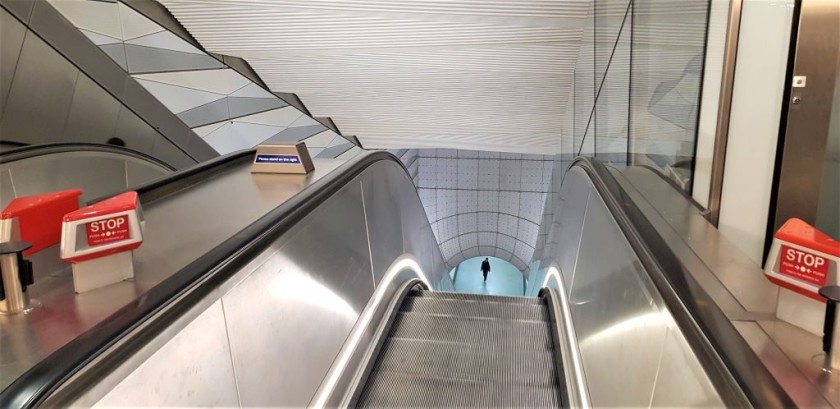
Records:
x=470, y=74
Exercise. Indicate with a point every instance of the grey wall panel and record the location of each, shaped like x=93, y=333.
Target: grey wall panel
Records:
x=43, y=80
x=384, y=200
x=22, y=9
x=169, y=153
x=93, y=115
x=145, y=59
x=246, y=106
x=45, y=174
x=7, y=189
x=73, y=45
x=147, y=106
x=136, y=174
x=12, y=33
x=136, y=133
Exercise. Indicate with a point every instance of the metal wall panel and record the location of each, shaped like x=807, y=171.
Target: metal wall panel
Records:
x=202, y=379
x=288, y=320
x=43, y=79
x=93, y=116
x=11, y=41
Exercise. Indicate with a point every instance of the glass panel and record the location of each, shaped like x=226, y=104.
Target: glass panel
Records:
x=612, y=107
x=584, y=95
x=667, y=57
x=828, y=215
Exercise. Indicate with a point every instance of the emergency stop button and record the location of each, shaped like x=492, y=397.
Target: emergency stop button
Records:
x=803, y=259
x=99, y=241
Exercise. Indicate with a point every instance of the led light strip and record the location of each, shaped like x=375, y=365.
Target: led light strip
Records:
x=402, y=263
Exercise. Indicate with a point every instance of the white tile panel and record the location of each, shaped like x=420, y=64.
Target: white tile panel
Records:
x=100, y=39
x=531, y=206
x=509, y=202
x=447, y=173
x=447, y=203
x=468, y=201
x=448, y=228
x=488, y=174
x=470, y=253
x=506, y=243
x=527, y=231
x=179, y=99
x=450, y=249
x=523, y=252
x=487, y=239
x=488, y=221
x=508, y=225
x=532, y=176
x=467, y=223
x=468, y=241
x=489, y=201
x=510, y=174
x=205, y=130
x=467, y=173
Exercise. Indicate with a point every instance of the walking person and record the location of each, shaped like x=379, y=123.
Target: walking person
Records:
x=485, y=267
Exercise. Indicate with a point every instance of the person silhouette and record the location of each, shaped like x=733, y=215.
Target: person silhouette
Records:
x=485, y=268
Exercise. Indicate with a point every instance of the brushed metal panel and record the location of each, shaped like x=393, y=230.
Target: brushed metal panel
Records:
x=96, y=175
x=619, y=318
x=12, y=33
x=137, y=173
x=572, y=202
x=93, y=115
x=193, y=369
x=321, y=275
x=7, y=189
x=671, y=389
x=384, y=197
x=43, y=79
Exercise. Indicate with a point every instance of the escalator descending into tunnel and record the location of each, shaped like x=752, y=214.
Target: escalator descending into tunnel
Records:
x=451, y=349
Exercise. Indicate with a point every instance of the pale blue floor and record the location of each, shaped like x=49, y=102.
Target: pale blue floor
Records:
x=504, y=278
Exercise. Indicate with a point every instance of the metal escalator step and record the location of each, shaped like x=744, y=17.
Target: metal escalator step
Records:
x=496, y=310
x=475, y=297
x=468, y=362
x=411, y=390
x=470, y=330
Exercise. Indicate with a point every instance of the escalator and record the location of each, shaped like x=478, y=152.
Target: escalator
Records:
x=453, y=350
x=329, y=290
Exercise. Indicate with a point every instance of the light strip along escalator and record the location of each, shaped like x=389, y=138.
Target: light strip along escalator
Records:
x=451, y=349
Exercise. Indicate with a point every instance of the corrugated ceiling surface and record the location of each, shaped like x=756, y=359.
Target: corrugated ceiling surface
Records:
x=491, y=74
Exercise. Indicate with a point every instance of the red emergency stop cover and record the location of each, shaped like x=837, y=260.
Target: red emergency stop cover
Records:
x=119, y=203
x=799, y=232
x=39, y=216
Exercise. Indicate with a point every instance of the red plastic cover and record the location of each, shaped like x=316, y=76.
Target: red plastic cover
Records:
x=39, y=216
x=803, y=234
x=119, y=203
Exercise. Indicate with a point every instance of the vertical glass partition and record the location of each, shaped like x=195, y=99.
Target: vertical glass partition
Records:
x=637, y=84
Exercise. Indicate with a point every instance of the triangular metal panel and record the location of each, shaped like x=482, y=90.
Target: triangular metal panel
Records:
x=179, y=99
x=167, y=41
x=206, y=114
x=146, y=60
x=117, y=53
x=253, y=91
x=135, y=24
x=224, y=81
x=297, y=134
x=95, y=16
x=100, y=39
x=278, y=117
x=246, y=106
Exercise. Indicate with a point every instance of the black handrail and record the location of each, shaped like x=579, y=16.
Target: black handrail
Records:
x=170, y=299
x=734, y=369
x=31, y=151
x=160, y=187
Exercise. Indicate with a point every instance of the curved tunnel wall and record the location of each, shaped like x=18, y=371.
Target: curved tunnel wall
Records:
x=484, y=203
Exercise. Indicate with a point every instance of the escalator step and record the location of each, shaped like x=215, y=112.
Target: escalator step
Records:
x=409, y=390
x=496, y=310
x=469, y=330
x=526, y=366
x=476, y=297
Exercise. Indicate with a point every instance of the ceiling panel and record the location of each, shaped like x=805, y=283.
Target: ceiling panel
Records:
x=401, y=74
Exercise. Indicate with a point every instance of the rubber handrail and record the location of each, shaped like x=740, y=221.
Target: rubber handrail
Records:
x=733, y=367
x=31, y=151
x=160, y=187
x=173, y=297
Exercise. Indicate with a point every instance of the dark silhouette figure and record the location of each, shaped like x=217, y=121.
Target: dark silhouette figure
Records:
x=485, y=267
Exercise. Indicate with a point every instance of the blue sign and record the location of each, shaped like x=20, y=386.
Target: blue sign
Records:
x=278, y=159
